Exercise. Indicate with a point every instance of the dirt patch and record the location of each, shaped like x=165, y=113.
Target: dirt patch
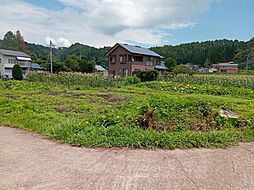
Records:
x=111, y=98
x=71, y=109
x=12, y=97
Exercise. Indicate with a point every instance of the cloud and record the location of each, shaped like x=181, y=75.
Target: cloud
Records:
x=101, y=22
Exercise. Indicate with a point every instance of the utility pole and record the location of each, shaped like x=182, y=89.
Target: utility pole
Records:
x=51, y=58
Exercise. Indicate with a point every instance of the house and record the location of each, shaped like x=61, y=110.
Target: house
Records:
x=203, y=70
x=100, y=69
x=161, y=68
x=124, y=59
x=9, y=58
x=213, y=70
x=36, y=68
x=191, y=66
x=228, y=67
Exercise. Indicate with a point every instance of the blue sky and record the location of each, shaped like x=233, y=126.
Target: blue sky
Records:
x=144, y=22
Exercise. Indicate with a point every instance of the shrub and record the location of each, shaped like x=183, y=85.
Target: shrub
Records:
x=181, y=69
x=17, y=72
x=133, y=80
x=146, y=75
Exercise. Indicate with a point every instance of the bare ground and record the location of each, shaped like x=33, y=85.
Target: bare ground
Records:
x=28, y=161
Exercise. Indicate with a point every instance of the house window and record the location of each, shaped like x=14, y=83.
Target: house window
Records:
x=112, y=59
x=149, y=61
x=122, y=58
x=125, y=72
x=137, y=58
x=11, y=61
x=0, y=60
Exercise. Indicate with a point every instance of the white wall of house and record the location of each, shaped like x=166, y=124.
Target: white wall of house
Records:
x=1, y=65
x=6, y=65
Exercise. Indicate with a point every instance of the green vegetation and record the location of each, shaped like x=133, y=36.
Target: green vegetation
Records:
x=17, y=72
x=181, y=69
x=93, y=111
x=146, y=75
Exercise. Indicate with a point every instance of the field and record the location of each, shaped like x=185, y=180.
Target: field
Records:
x=180, y=112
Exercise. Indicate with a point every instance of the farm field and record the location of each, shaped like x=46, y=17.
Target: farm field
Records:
x=179, y=112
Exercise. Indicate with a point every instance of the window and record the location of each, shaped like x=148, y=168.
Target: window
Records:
x=0, y=60
x=112, y=59
x=122, y=58
x=137, y=58
x=125, y=72
x=11, y=61
x=149, y=61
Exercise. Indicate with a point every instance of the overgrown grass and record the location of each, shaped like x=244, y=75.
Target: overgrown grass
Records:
x=147, y=115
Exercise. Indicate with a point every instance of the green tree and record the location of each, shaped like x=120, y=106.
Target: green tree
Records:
x=17, y=72
x=9, y=41
x=21, y=43
x=86, y=66
x=181, y=69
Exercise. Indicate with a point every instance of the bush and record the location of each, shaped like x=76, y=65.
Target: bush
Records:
x=133, y=80
x=181, y=69
x=17, y=72
x=146, y=75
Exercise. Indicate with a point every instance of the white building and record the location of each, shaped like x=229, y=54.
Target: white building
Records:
x=9, y=58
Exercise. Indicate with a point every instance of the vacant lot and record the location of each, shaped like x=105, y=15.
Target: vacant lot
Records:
x=180, y=112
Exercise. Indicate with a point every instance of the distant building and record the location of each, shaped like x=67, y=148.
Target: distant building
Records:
x=161, y=68
x=228, y=67
x=124, y=59
x=36, y=68
x=9, y=58
x=203, y=70
x=191, y=66
x=100, y=69
x=213, y=70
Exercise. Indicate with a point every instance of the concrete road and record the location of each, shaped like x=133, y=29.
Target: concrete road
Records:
x=28, y=161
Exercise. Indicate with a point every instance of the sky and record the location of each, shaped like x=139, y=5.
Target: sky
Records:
x=141, y=22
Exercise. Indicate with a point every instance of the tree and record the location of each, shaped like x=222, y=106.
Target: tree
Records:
x=86, y=66
x=17, y=72
x=9, y=41
x=181, y=69
x=21, y=43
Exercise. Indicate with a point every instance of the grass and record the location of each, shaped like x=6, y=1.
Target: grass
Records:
x=145, y=115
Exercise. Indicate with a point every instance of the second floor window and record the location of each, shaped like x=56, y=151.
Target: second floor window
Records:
x=137, y=58
x=113, y=59
x=122, y=58
x=12, y=61
x=149, y=61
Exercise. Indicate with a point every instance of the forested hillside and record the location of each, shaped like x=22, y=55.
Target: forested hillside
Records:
x=199, y=53
x=207, y=53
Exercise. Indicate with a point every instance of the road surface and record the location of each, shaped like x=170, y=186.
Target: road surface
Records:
x=27, y=161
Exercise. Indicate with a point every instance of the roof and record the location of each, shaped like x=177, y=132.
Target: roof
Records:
x=99, y=68
x=161, y=66
x=13, y=53
x=35, y=66
x=136, y=50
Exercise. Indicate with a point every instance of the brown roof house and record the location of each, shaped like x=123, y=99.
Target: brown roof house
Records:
x=228, y=67
x=124, y=59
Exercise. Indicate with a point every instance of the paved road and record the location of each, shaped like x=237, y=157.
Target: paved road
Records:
x=28, y=161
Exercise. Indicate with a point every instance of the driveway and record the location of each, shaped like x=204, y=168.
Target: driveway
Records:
x=27, y=161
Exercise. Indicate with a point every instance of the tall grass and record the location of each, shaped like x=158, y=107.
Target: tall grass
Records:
x=79, y=80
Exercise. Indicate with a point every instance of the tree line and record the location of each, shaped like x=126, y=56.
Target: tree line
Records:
x=82, y=58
